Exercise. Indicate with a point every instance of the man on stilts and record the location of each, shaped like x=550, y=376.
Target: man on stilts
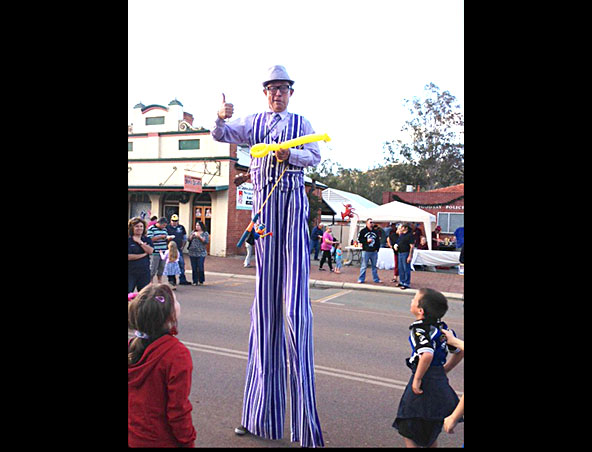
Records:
x=282, y=269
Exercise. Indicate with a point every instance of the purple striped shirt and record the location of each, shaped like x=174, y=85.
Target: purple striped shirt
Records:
x=240, y=131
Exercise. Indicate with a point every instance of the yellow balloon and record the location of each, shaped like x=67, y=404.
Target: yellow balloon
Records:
x=262, y=149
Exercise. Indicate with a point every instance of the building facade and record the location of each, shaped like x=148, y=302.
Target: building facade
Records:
x=447, y=204
x=175, y=167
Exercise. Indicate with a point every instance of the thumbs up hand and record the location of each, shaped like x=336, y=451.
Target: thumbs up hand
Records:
x=226, y=110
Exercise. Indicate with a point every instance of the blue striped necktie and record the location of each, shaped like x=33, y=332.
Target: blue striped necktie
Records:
x=276, y=119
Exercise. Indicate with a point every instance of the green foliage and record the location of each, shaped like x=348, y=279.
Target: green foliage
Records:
x=315, y=204
x=434, y=156
x=369, y=184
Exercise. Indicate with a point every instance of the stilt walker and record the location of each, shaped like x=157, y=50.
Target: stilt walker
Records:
x=282, y=260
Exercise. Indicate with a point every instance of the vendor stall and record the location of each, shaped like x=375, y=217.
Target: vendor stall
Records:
x=354, y=254
x=386, y=260
x=428, y=257
x=399, y=212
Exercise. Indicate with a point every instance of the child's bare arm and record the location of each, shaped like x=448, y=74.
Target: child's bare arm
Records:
x=451, y=421
x=453, y=361
x=425, y=359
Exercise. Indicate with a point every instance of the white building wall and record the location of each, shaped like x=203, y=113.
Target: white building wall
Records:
x=154, y=166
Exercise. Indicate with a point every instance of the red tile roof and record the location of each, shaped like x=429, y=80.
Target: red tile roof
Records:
x=444, y=195
x=453, y=188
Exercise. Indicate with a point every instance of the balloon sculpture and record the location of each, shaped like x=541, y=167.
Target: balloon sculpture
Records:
x=260, y=231
x=260, y=150
x=349, y=212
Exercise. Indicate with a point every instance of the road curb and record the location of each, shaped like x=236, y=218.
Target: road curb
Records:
x=319, y=283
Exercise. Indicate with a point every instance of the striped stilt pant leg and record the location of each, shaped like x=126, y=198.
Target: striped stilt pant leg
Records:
x=305, y=424
x=264, y=400
x=282, y=274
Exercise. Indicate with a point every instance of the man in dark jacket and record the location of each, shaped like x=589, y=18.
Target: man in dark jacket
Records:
x=315, y=240
x=405, y=249
x=370, y=241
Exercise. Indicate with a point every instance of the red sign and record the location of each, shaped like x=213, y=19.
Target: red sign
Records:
x=192, y=184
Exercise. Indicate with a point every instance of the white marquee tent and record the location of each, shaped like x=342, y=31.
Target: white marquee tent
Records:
x=397, y=212
x=337, y=199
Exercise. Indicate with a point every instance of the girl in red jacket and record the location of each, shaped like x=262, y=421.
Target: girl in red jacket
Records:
x=159, y=373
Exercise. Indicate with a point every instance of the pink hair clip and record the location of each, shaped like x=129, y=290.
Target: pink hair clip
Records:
x=159, y=298
x=131, y=296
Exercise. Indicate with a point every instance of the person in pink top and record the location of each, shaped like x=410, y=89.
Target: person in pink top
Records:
x=326, y=244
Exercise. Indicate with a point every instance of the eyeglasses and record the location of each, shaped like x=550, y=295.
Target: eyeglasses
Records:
x=273, y=89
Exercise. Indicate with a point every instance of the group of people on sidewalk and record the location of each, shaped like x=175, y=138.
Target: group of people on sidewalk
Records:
x=156, y=249
x=400, y=239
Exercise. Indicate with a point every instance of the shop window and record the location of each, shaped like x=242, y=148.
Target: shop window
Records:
x=449, y=222
x=140, y=206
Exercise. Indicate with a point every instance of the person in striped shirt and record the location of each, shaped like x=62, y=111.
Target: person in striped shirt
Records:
x=283, y=265
x=159, y=235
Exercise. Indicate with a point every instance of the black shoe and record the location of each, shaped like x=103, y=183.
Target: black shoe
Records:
x=240, y=430
x=185, y=283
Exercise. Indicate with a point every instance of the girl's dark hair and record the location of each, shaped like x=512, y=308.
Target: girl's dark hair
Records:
x=152, y=312
x=433, y=303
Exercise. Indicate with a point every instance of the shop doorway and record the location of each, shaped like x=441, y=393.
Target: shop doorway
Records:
x=202, y=210
x=170, y=209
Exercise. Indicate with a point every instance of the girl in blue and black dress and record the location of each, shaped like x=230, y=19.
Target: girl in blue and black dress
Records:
x=428, y=397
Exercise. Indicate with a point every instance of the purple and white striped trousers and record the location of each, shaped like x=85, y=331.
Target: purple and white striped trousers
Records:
x=282, y=277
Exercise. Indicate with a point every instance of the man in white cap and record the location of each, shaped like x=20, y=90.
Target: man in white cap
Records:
x=283, y=267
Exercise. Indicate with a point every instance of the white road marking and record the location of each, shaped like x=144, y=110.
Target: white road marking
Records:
x=339, y=373
x=331, y=297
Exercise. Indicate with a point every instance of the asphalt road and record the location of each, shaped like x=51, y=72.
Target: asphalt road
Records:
x=360, y=346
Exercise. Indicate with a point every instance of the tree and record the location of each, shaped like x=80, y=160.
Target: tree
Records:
x=315, y=204
x=434, y=157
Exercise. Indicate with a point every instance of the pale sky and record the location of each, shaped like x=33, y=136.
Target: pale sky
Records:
x=353, y=62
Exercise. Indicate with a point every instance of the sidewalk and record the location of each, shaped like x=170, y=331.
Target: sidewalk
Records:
x=450, y=284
